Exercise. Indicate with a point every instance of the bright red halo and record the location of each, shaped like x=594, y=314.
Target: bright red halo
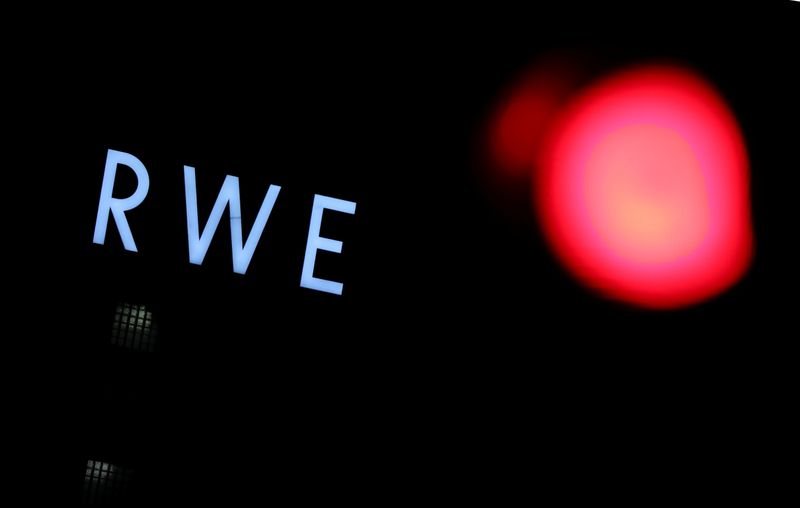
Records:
x=643, y=189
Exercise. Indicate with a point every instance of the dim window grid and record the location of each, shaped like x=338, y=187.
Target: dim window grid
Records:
x=104, y=483
x=134, y=328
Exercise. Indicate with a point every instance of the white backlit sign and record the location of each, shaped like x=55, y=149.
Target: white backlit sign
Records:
x=228, y=197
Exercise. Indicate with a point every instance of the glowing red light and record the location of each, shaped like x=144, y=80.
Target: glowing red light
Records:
x=521, y=124
x=643, y=189
x=524, y=115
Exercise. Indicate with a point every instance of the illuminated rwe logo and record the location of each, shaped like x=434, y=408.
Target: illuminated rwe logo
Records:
x=199, y=240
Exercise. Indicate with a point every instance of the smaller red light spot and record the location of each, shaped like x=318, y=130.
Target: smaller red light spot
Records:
x=521, y=121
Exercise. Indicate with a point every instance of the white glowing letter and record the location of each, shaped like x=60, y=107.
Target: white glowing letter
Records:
x=117, y=206
x=228, y=194
x=315, y=243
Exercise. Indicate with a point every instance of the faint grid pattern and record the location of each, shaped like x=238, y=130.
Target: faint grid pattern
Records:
x=134, y=328
x=105, y=484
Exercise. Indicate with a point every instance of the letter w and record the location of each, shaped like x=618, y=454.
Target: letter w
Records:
x=228, y=194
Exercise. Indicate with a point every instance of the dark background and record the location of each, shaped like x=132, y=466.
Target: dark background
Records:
x=461, y=362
